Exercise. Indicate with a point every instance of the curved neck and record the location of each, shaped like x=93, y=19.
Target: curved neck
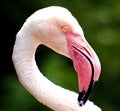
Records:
x=55, y=97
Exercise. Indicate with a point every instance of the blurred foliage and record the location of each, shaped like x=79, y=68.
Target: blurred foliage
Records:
x=100, y=21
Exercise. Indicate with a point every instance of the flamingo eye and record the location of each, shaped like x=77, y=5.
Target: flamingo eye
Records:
x=65, y=28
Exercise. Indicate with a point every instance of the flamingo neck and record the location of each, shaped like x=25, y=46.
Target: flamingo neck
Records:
x=33, y=80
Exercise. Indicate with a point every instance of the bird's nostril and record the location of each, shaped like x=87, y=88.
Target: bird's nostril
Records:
x=87, y=51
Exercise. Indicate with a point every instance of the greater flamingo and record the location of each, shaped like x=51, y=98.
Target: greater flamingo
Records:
x=56, y=28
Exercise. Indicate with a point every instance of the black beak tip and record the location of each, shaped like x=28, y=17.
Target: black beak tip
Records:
x=85, y=95
x=81, y=103
x=81, y=98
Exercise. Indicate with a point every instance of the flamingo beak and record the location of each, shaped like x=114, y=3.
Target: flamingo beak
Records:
x=86, y=64
x=86, y=77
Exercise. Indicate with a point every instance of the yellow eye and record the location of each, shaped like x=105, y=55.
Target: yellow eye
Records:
x=65, y=28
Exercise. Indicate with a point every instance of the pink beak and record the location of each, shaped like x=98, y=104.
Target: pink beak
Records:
x=86, y=64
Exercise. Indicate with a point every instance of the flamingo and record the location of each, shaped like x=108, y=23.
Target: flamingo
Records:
x=56, y=28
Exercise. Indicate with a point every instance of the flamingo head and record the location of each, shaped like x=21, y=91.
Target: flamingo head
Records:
x=60, y=31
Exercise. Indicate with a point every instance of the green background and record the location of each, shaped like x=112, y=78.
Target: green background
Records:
x=100, y=21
